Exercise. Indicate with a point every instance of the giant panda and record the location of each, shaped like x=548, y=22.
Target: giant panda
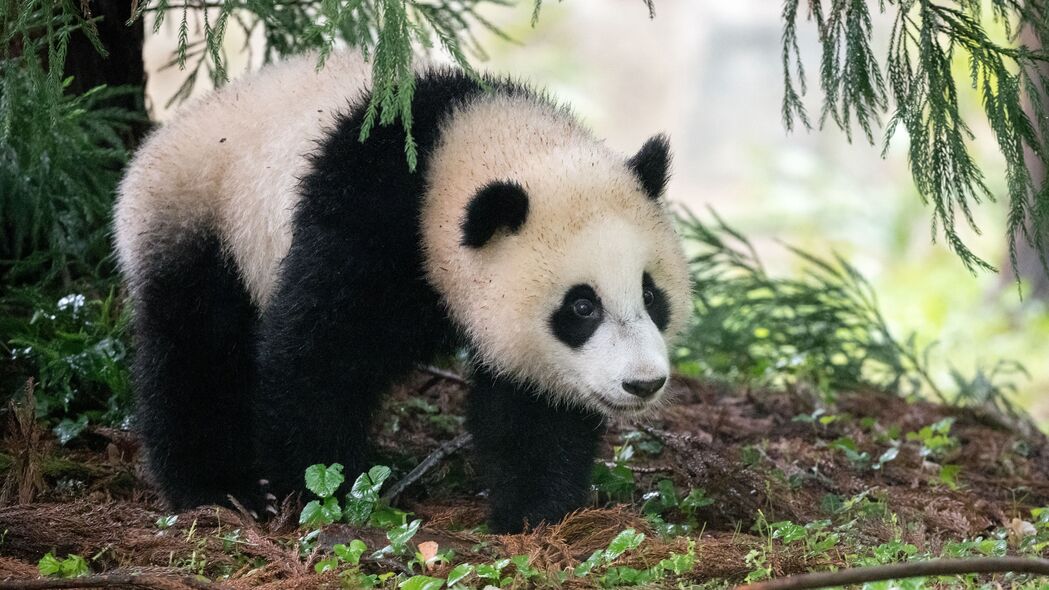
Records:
x=284, y=274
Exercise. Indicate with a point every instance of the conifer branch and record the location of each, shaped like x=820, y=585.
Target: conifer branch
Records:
x=915, y=87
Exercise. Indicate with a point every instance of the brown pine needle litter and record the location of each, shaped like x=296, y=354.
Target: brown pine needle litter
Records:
x=757, y=454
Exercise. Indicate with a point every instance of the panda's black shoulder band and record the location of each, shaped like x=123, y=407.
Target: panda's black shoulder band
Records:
x=498, y=205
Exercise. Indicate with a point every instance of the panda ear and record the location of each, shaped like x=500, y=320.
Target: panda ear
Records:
x=651, y=164
x=498, y=205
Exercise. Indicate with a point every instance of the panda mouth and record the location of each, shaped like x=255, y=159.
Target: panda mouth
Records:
x=618, y=408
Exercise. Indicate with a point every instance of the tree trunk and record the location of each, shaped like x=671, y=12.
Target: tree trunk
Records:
x=122, y=67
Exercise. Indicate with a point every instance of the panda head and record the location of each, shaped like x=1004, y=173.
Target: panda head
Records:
x=559, y=260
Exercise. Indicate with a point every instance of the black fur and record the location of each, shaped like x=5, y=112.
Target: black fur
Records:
x=536, y=458
x=496, y=206
x=571, y=328
x=351, y=314
x=651, y=164
x=659, y=308
x=194, y=345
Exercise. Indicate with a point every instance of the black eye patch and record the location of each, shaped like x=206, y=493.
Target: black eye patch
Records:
x=578, y=317
x=658, y=309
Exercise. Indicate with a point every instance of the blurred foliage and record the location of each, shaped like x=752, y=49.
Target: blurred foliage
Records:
x=60, y=159
x=823, y=326
x=60, y=154
x=77, y=350
x=919, y=93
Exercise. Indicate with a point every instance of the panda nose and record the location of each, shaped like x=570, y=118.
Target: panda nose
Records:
x=644, y=389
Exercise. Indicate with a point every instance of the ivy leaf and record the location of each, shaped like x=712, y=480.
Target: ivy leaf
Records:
x=492, y=571
x=421, y=583
x=617, y=481
x=351, y=553
x=385, y=517
x=591, y=562
x=787, y=531
x=624, y=541
x=364, y=494
x=326, y=565
x=322, y=480
x=400, y=536
x=459, y=573
x=315, y=513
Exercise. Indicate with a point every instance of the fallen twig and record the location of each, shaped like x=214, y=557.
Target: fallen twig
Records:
x=912, y=569
x=152, y=582
x=426, y=465
x=448, y=375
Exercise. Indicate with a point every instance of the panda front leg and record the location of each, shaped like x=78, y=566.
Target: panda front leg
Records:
x=340, y=330
x=535, y=458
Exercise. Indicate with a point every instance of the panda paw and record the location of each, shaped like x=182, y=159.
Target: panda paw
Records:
x=269, y=500
x=257, y=501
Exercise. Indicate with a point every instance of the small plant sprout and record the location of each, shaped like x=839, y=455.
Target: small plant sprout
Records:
x=322, y=481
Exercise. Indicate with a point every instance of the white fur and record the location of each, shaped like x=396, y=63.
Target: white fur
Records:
x=588, y=222
x=233, y=159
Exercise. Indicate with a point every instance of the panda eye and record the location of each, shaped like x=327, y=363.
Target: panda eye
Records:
x=583, y=308
x=649, y=297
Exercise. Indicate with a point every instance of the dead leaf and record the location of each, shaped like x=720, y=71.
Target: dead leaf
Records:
x=428, y=550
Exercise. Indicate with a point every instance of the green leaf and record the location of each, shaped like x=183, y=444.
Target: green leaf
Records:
x=627, y=576
x=625, y=541
x=523, y=565
x=351, y=553
x=49, y=565
x=326, y=565
x=459, y=573
x=949, y=475
x=678, y=564
x=421, y=583
x=166, y=522
x=386, y=517
x=617, y=481
x=363, y=498
x=696, y=499
x=73, y=566
x=324, y=481
x=591, y=562
x=887, y=456
x=492, y=571
x=399, y=536
x=315, y=513
x=67, y=429
x=787, y=531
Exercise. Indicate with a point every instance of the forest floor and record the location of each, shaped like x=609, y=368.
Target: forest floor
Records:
x=726, y=486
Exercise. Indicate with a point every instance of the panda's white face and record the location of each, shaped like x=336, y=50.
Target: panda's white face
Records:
x=606, y=321
x=555, y=255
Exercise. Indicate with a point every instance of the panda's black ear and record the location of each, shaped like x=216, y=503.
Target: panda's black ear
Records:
x=498, y=205
x=651, y=164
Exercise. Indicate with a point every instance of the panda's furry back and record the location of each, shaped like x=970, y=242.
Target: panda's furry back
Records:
x=232, y=160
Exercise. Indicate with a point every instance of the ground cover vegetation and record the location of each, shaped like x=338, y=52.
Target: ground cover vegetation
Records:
x=805, y=436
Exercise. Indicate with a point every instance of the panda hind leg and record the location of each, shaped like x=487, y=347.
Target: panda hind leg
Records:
x=193, y=372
